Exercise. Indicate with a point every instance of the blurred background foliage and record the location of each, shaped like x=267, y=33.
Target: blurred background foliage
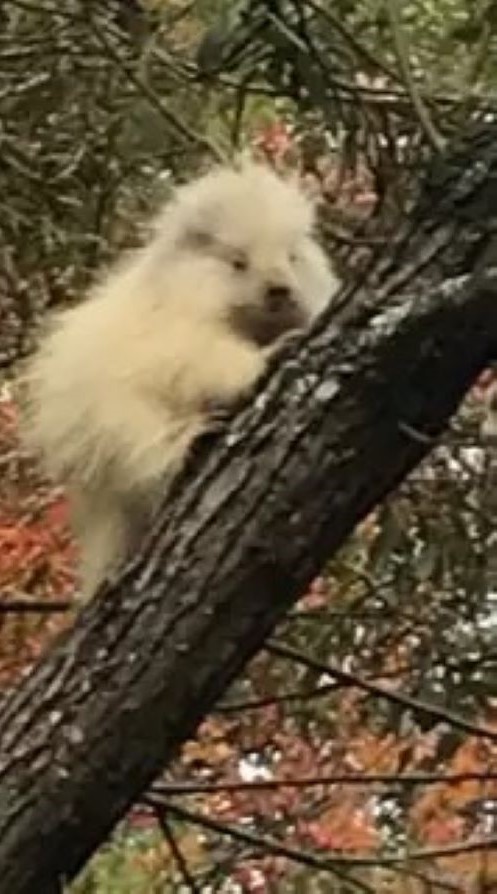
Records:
x=104, y=105
x=103, y=102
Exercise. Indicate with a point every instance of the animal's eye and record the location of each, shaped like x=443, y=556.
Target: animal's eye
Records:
x=239, y=263
x=197, y=240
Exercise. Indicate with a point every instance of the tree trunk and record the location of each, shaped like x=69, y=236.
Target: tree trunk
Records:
x=338, y=422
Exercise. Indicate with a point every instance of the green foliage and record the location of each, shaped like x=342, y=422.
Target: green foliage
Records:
x=99, y=100
x=125, y=866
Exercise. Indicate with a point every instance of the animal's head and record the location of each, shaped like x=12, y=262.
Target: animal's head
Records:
x=256, y=231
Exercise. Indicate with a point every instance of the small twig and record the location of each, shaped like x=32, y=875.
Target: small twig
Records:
x=434, y=137
x=179, y=857
x=337, y=861
x=383, y=779
x=358, y=48
x=414, y=704
x=236, y=129
x=296, y=695
x=178, y=15
x=173, y=120
x=261, y=842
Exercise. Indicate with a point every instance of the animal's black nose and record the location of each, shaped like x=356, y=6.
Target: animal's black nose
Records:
x=278, y=298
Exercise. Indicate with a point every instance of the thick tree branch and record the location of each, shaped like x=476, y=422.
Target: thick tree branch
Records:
x=339, y=421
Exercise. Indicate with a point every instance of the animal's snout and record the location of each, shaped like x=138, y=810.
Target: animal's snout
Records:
x=279, y=298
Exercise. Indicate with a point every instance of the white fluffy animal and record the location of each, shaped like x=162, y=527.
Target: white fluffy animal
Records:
x=122, y=384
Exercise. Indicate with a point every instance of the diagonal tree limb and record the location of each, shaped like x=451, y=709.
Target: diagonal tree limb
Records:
x=342, y=417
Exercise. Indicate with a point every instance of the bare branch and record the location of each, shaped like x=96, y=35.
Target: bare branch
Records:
x=403, y=56
x=388, y=780
x=407, y=701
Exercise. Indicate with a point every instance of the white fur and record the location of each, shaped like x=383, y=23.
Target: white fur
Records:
x=121, y=384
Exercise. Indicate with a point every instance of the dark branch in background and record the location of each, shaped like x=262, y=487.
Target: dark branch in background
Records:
x=260, y=842
x=416, y=705
x=177, y=125
x=401, y=46
x=336, y=864
x=176, y=851
x=28, y=606
x=297, y=695
x=358, y=50
x=324, y=57
x=389, y=780
x=248, y=526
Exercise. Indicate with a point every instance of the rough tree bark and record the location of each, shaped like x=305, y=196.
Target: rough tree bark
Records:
x=336, y=425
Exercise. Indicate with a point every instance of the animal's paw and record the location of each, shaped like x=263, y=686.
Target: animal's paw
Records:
x=218, y=419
